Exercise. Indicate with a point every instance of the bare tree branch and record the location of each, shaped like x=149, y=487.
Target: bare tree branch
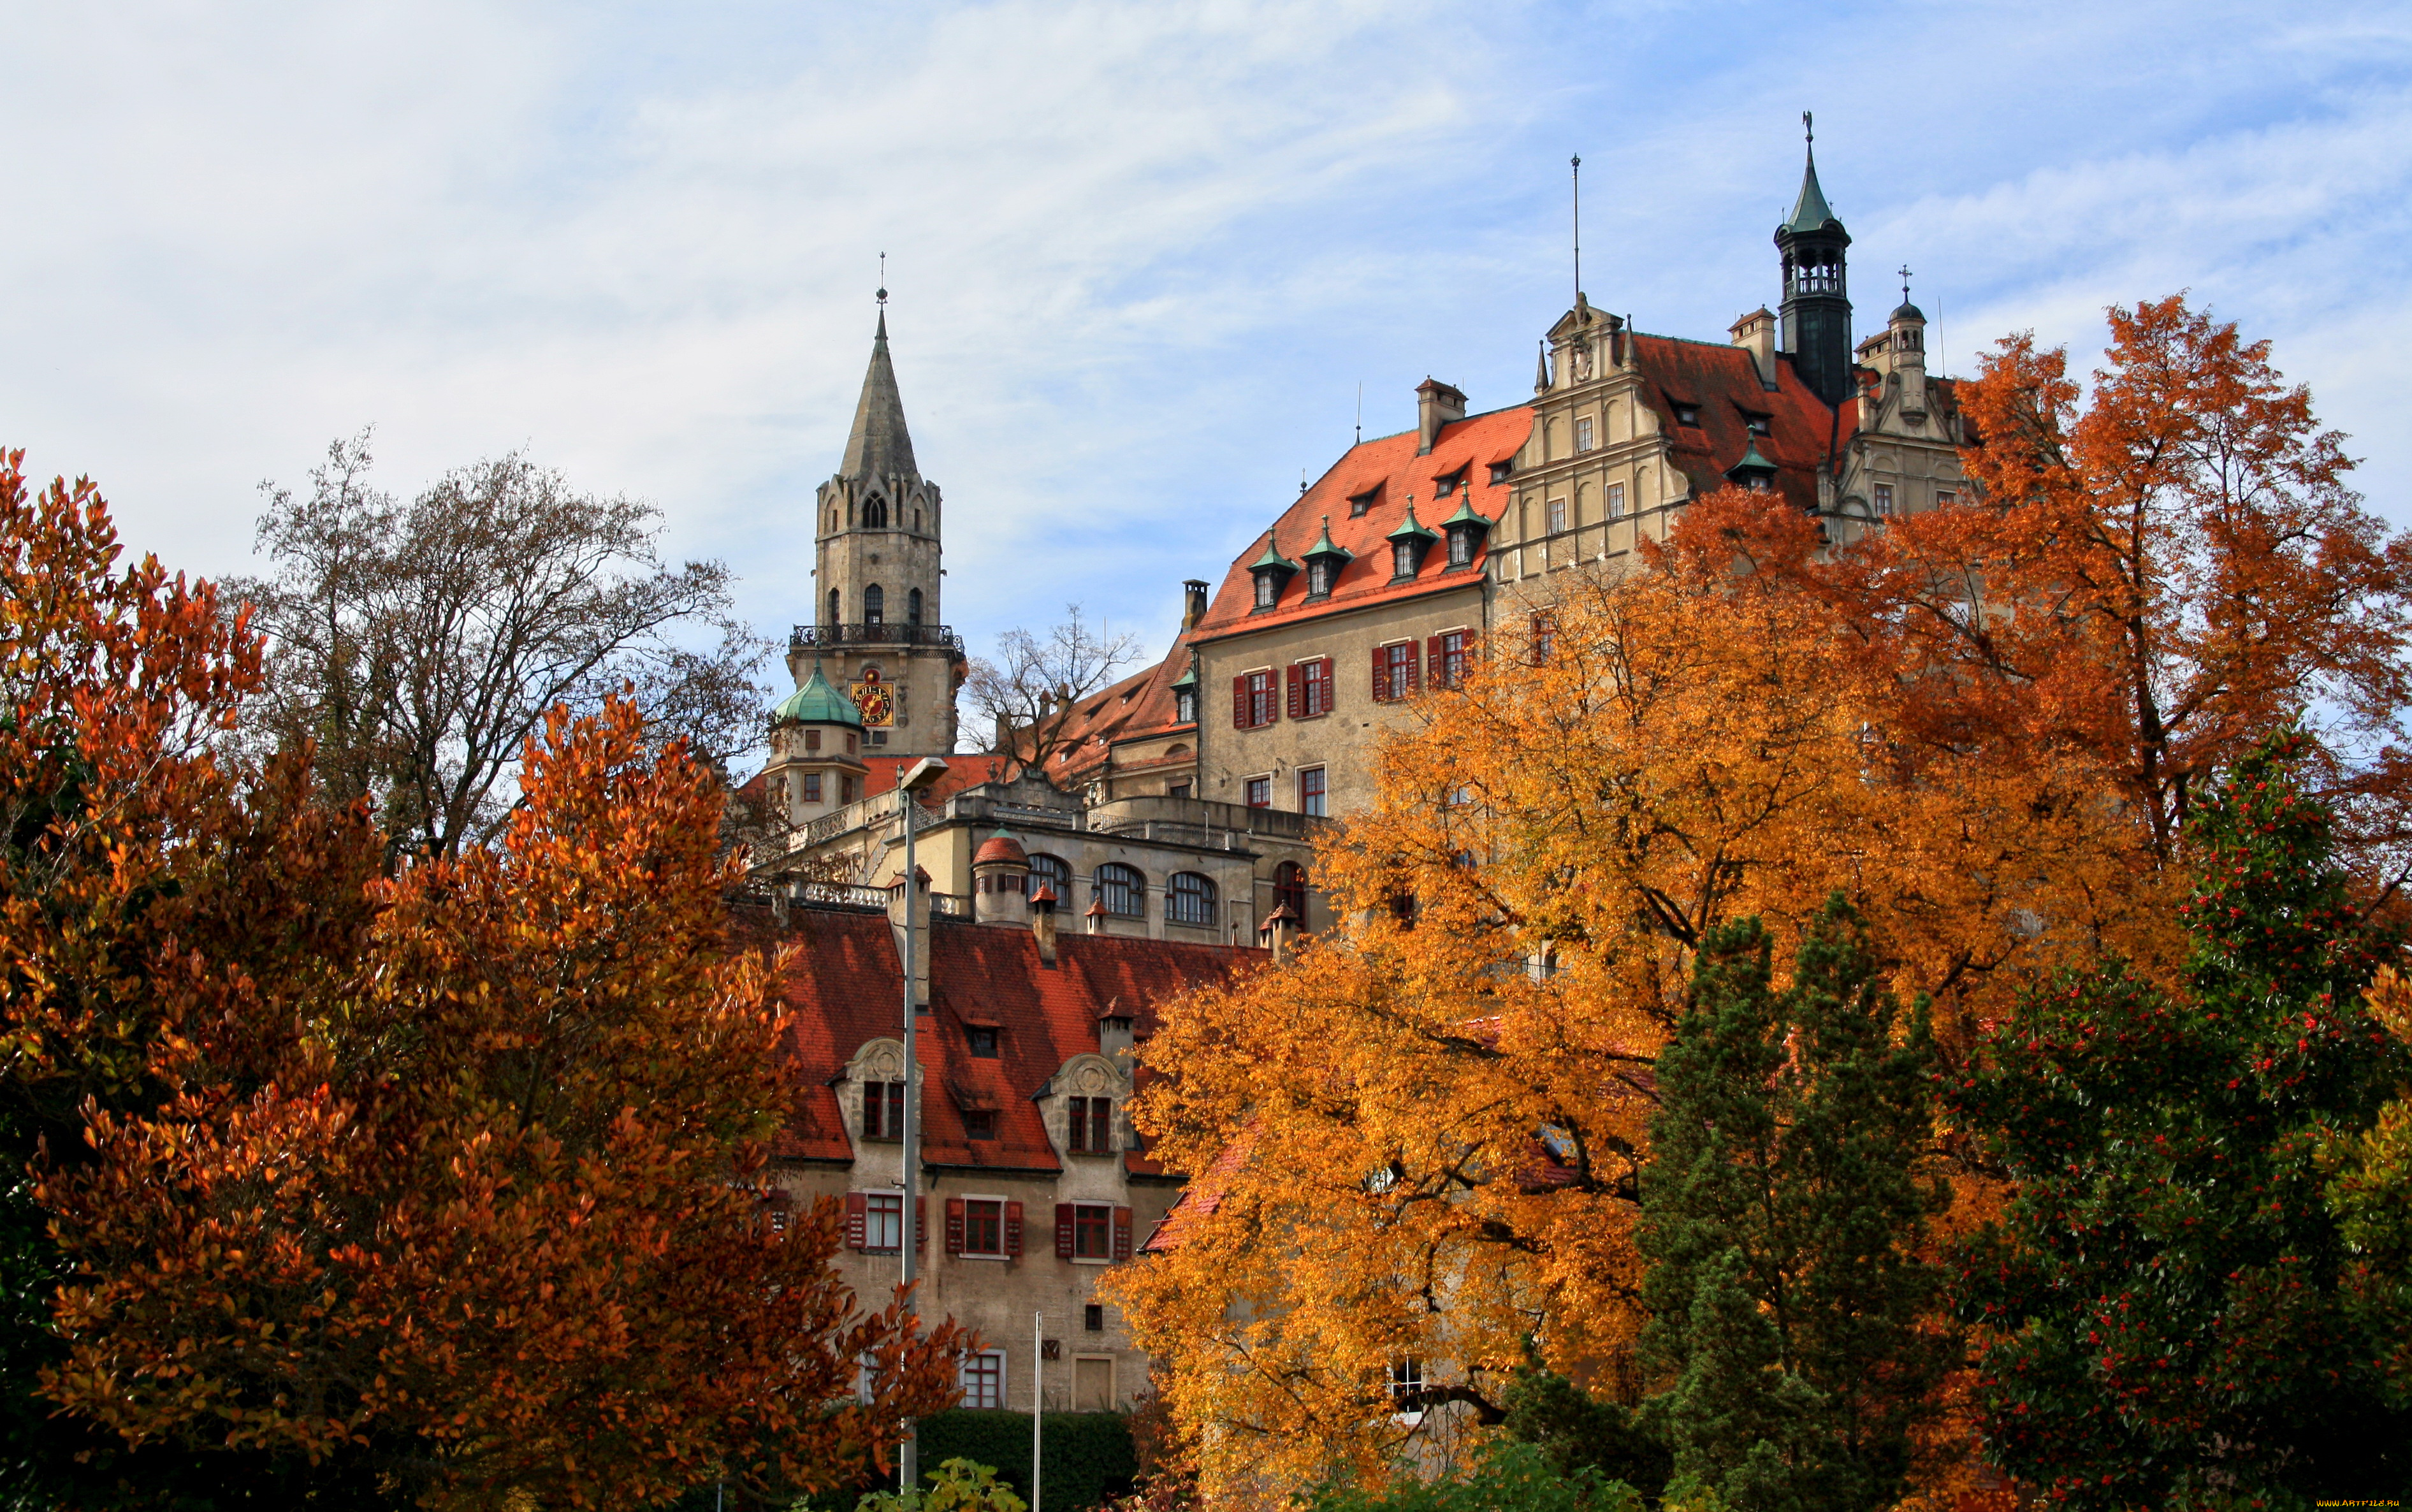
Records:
x=1035, y=677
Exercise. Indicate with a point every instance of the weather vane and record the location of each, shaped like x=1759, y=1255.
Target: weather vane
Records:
x=1808, y=127
x=883, y=278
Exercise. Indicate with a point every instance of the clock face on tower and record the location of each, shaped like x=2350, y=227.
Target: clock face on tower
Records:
x=874, y=699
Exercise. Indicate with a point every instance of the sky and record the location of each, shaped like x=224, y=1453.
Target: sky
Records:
x=1141, y=258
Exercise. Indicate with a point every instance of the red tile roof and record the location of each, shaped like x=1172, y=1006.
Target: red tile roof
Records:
x=1139, y=707
x=1722, y=381
x=845, y=987
x=1389, y=469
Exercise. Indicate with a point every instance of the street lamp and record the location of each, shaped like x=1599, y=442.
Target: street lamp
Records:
x=921, y=775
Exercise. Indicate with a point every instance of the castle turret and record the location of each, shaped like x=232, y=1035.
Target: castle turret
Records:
x=1816, y=312
x=875, y=604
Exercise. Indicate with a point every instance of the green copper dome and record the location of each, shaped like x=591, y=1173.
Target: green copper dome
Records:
x=818, y=703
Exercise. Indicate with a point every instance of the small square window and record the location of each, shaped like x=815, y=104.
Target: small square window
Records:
x=812, y=739
x=1499, y=471
x=982, y=1038
x=1093, y=1318
x=1359, y=503
x=1759, y=424
x=984, y=1380
x=812, y=787
x=1260, y=792
x=981, y=1124
x=1687, y=415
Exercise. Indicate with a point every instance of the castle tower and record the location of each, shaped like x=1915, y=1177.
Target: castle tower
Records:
x=877, y=623
x=1816, y=314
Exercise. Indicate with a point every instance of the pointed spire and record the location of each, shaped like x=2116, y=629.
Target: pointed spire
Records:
x=1811, y=210
x=879, y=446
x=1541, y=369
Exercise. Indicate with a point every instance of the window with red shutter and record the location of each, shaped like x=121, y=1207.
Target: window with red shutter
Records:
x=920, y=1225
x=1435, y=675
x=1063, y=1231
x=1240, y=703
x=1381, y=674
x=1408, y=663
x=858, y=1208
x=1122, y=1233
x=1297, y=708
x=954, y=1225
x=1013, y=1229
x=1319, y=685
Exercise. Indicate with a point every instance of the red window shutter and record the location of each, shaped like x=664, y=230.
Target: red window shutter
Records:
x=1240, y=703
x=1436, y=671
x=1408, y=661
x=857, y=1205
x=1013, y=1229
x=920, y=1223
x=954, y=1225
x=1331, y=688
x=1297, y=692
x=1063, y=1231
x=1381, y=674
x=1122, y=1233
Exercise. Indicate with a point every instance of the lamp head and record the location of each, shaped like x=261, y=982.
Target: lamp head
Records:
x=921, y=774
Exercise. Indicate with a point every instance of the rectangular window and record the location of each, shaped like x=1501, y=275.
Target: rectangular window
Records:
x=1687, y=415
x=1884, y=499
x=1311, y=791
x=883, y=1222
x=812, y=787
x=1394, y=672
x=984, y=1381
x=1093, y=1318
x=1090, y=1129
x=1759, y=424
x=1447, y=651
x=979, y=1124
x=883, y=1110
x=1582, y=433
x=1177, y=790
x=1260, y=792
x=1406, y=1382
x=983, y=1226
x=1557, y=516
x=1310, y=688
x=846, y=789
x=983, y=1040
x=1945, y=497
x=1616, y=501
x=1091, y=1231
x=812, y=739
x=1258, y=700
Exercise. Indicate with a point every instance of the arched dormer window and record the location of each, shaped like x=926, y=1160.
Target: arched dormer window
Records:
x=913, y=607
x=874, y=513
x=874, y=604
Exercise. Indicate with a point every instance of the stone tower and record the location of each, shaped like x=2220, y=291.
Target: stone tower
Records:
x=1816, y=295
x=876, y=628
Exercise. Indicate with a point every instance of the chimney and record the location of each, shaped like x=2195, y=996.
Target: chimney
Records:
x=1280, y=932
x=1436, y=404
x=1098, y=915
x=1116, y=1039
x=1042, y=922
x=1756, y=334
x=919, y=903
x=1193, y=599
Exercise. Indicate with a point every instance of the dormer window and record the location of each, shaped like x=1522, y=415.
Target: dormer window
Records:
x=1185, y=706
x=1359, y=503
x=1687, y=415
x=1464, y=530
x=1267, y=590
x=1408, y=544
x=1759, y=424
x=1405, y=557
x=1324, y=560
x=1273, y=571
x=1499, y=471
x=983, y=1041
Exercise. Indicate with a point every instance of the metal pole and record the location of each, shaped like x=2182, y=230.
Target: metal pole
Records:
x=1037, y=1398
x=909, y=1458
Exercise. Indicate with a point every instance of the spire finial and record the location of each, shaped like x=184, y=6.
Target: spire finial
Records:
x=1809, y=131
x=1903, y=271
x=883, y=283
x=1576, y=163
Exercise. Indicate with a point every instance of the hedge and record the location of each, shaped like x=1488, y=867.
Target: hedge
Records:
x=1087, y=1457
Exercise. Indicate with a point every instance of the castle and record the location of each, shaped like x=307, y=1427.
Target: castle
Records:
x=1135, y=841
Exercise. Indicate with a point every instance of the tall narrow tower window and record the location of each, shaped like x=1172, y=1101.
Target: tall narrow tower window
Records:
x=913, y=607
x=835, y=613
x=874, y=604
x=874, y=513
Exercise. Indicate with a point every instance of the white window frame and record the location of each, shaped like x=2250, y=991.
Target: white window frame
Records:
x=1322, y=799
x=870, y=1217
x=999, y=1376
x=1585, y=432
x=1616, y=501
x=1245, y=782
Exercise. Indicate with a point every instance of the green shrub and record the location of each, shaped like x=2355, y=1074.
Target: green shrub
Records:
x=1506, y=1476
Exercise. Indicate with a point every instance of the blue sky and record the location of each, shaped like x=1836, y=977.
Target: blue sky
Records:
x=1142, y=256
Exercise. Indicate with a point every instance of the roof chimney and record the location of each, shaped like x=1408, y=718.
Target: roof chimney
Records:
x=1042, y=922
x=1436, y=404
x=1756, y=334
x=1193, y=600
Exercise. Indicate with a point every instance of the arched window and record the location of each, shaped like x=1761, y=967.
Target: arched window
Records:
x=874, y=604
x=874, y=513
x=1190, y=900
x=1053, y=871
x=834, y=611
x=913, y=607
x=1289, y=888
x=1123, y=890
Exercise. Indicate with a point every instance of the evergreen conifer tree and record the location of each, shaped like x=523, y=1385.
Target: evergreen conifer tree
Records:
x=2166, y=1293
x=1782, y=1216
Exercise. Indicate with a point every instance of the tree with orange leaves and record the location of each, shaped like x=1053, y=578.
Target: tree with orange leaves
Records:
x=1422, y=1140
x=437, y=1189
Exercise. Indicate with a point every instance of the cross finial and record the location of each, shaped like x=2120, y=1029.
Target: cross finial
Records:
x=1809, y=127
x=883, y=280
x=1905, y=282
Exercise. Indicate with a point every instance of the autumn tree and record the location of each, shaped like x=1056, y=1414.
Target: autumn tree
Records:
x=481, y=1208
x=1784, y=1212
x=1036, y=676
x=2169, y=1298
x=2370, y=1192
x=415, y=647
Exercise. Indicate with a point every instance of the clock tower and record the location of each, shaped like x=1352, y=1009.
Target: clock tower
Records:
x=878, y=631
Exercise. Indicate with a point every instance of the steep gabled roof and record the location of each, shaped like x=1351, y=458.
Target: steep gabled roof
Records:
x=1722, y=383
x=844, y=987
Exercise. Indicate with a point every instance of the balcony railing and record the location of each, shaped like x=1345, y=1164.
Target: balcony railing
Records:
x=805, y=636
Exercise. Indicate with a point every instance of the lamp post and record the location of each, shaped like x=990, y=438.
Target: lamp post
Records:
x=921, y=774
